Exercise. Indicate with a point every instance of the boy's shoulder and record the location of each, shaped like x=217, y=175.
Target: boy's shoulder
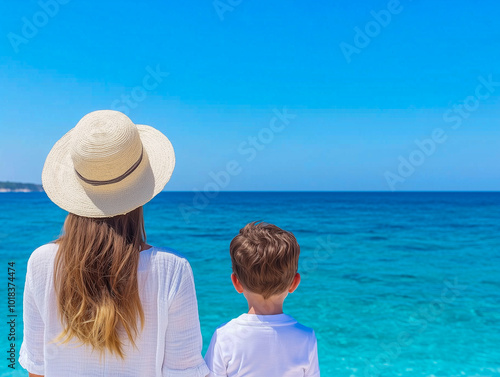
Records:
x=248, y=324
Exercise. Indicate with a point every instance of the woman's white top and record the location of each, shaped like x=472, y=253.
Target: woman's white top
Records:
x=169, y=345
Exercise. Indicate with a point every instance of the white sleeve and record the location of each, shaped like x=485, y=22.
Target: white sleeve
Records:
x=214, y=358
x=183, y=341
x=313, y=370
x=31, y=356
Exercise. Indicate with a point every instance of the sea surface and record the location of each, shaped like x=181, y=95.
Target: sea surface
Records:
x=394, y=284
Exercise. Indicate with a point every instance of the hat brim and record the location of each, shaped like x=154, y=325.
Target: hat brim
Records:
x=65, y=189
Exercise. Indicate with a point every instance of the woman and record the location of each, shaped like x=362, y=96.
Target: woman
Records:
x=100, y=301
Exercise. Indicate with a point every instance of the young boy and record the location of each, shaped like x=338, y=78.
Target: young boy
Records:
x=264, y=342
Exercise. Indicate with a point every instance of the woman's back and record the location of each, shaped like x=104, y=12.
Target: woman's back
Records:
x=94, y=303
x=167, y=293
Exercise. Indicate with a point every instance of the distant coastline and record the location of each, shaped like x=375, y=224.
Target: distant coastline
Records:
x=19, y=187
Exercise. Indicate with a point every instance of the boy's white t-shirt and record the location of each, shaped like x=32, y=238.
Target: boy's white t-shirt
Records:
x=263, y=346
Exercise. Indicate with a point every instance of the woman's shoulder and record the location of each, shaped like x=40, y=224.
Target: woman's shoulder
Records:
x=170, y=267
x=167, y=252
x=169, y=257
x=43, y=254
x=40, y=261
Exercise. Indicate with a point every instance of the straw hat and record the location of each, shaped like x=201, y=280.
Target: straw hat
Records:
x=107, y=165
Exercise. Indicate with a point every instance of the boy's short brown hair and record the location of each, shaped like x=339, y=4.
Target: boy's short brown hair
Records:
x=265, y=258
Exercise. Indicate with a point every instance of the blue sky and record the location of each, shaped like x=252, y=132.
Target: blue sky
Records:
x=354, y=118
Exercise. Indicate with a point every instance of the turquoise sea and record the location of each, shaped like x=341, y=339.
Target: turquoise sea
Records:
x=395, y=284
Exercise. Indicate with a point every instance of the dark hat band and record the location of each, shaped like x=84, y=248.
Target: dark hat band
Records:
x=114, y=180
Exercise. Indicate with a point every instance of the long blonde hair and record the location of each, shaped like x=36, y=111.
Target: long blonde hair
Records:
x=95, y=276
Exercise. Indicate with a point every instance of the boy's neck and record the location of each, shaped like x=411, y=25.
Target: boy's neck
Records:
x=270, y=306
